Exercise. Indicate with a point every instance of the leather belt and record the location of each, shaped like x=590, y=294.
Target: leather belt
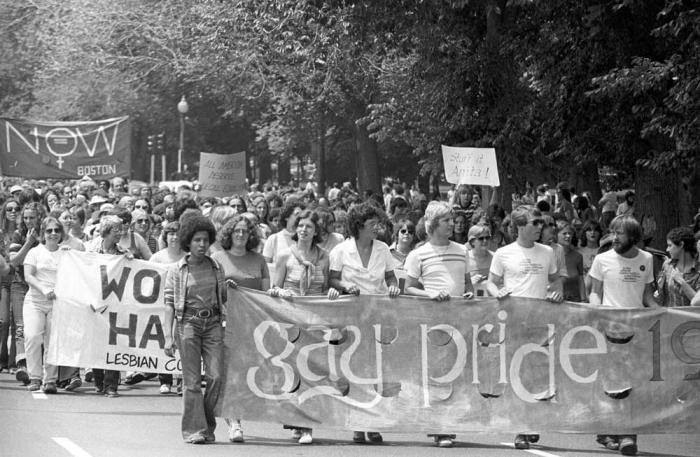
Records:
x=202, y=313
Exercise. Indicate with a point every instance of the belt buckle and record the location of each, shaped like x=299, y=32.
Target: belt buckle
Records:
x=204, y=313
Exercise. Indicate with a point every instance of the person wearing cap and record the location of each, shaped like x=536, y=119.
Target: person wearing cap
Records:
x=15, y=190
x=479, y=257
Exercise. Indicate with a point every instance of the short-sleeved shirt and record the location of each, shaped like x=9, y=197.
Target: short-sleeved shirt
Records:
x=670, y=293
x=623, y=279
x=201, y=287
x=276, y=243
x=370, y=279
x=439, y=267
x=247, y=270
x=525, y=271
x=45, y=263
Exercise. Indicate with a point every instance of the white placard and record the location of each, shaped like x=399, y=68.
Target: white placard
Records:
x=221, y=175
x=470, y=166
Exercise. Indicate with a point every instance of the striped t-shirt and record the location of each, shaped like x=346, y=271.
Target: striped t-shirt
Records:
x=439, y=267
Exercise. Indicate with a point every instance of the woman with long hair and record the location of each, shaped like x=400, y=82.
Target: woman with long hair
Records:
x=40, y=268
x=242, y=266
x=8, y=224
x=403, y=243
x=461, y=228
x=574, y=285
x=25, y=237
x=303, y=269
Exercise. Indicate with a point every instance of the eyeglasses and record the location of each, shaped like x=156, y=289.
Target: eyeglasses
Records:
x=142, y=221
x=53, y=230
x=141, y=206
x=241, y=231
x=12, y=209
x=405, y=231
x=483, y=238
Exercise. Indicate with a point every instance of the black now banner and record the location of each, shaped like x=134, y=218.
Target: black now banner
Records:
x=68, y=150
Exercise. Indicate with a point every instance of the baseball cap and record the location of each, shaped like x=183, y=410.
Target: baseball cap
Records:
x=16, y=188
x=98, y=199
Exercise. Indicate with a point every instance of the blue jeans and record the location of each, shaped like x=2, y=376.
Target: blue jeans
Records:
x=200, y=339
x=17, y=292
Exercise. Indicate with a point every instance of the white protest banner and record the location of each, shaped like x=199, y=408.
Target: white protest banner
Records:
x=221, y=175
x=475, y=166
x=109, y=314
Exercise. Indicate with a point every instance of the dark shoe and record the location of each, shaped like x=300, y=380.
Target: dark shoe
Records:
x=74, y=384
x=22, y=376
x=374, y=437
x=533, y=438
x=628, y=445
x=134, y=379
x=196, y=439
x=89, y=376
x=210, y=438
x=34, y=385
x=521, y=442
x=358, y=437
x=50, y=388
x=99, y=390
x=609, y=441
x=444, y=441
x=111, y=393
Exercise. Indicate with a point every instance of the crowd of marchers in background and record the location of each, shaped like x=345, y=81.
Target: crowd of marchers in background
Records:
x=290, y=240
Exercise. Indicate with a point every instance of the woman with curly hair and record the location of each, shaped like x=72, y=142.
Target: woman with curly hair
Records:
x=195, y=316
x=242, y=266
x=679, y=278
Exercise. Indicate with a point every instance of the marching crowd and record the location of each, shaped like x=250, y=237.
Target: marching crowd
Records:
x=553, y=245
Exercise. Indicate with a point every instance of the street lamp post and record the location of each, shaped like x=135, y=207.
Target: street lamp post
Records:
x=182, y=107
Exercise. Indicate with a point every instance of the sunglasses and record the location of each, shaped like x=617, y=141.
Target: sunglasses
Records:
x=142, y=221
x=12, y=209
x=536, y=222
x=141, y=206
x=405, y=231
x=483, y=238
x=53, y=230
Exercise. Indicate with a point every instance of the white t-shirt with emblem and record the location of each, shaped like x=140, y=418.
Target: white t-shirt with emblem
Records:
x=623, y=279
x=525, y=271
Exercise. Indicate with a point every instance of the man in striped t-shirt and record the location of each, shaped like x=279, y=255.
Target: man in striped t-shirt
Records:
x=439, y=269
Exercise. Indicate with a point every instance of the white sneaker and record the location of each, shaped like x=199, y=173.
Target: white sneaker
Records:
x=165, y=388
x=306, y=437
x=235, y=433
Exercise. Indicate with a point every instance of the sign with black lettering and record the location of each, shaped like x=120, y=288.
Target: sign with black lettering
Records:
x=221, y=175
x=68, y=150
x=109, y=313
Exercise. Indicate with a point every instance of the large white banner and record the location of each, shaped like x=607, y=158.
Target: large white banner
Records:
x=475, y=166
x=109, y=313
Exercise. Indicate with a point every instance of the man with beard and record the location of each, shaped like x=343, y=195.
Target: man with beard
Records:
x=622, y=278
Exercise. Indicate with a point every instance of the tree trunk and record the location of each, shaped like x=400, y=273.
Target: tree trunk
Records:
x=586, y=178
x=658, y=202
x=284, y=174
x=368, y=174
x=264, y=165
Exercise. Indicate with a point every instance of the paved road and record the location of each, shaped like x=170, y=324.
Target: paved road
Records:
x=144, y=423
